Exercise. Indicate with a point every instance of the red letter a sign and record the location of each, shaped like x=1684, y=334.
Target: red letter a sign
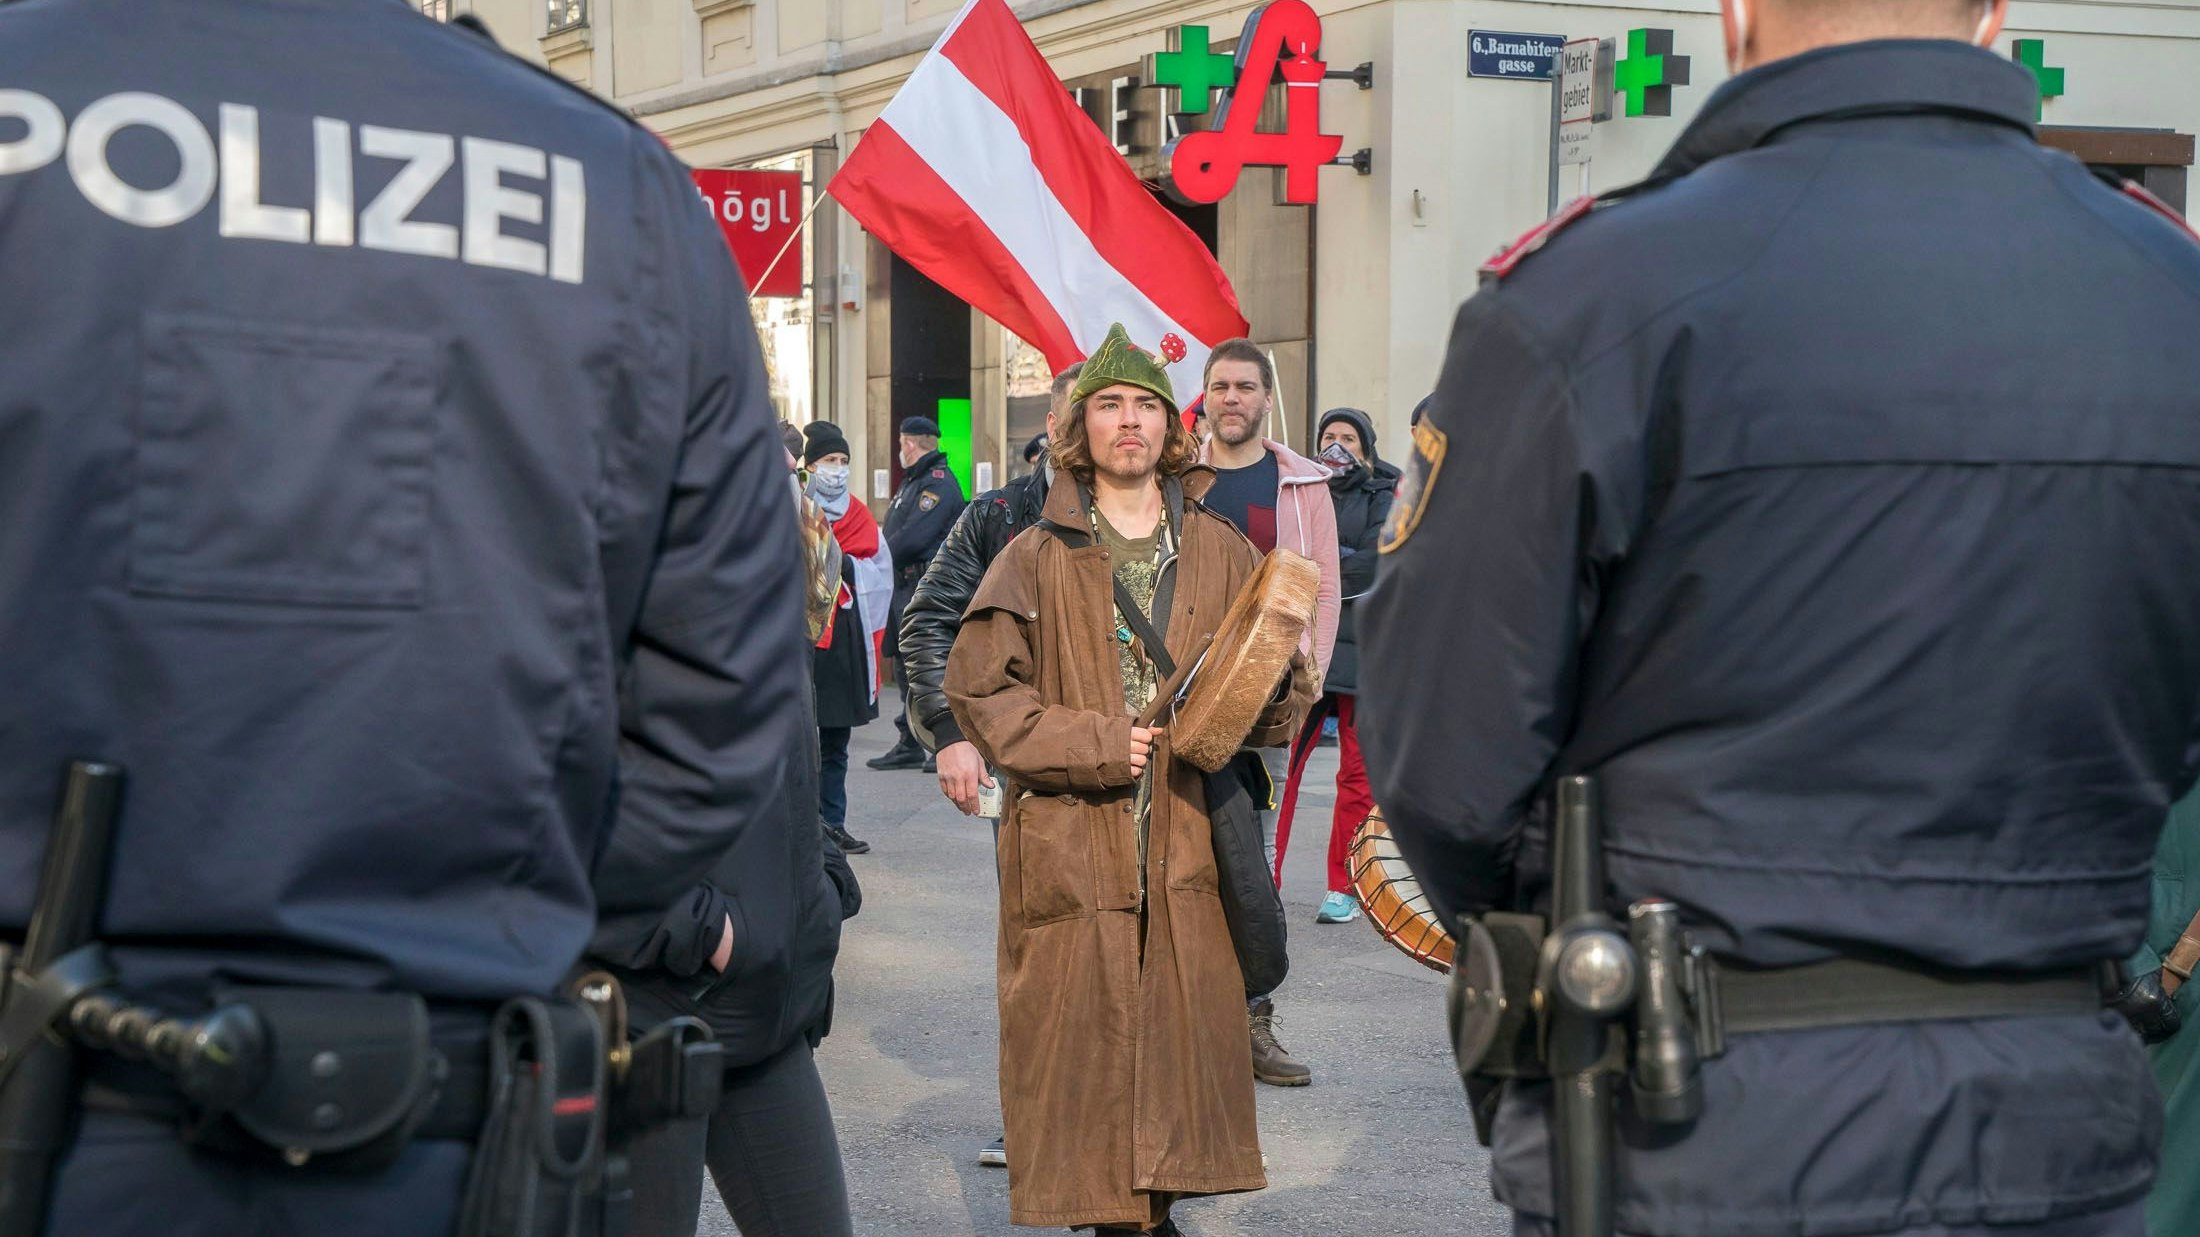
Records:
x=1203, y=167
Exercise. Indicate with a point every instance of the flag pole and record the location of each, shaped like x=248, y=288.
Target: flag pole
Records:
x=1283, y=418
x=787, y=244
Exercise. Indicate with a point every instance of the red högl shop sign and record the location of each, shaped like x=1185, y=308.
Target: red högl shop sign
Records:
x=759, y=212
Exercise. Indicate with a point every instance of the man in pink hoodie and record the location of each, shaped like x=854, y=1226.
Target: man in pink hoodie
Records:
x=1278, y=498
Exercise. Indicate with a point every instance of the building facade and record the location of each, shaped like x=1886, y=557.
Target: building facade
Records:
x=1353, y=295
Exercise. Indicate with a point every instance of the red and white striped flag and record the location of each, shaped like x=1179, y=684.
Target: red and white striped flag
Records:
x=985, y=174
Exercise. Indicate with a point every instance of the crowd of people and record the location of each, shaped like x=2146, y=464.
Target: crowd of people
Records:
x=1332, y=507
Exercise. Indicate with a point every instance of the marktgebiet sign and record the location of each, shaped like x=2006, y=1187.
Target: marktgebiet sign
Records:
x=1577, y=99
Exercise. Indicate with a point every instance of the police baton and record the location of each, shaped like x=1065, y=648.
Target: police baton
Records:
x=40, y=1091
x=1585, y=982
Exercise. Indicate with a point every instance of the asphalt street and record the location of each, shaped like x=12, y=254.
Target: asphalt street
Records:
x=1380, y=1145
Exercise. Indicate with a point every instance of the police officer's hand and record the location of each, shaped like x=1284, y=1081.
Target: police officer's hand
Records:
x=2150, y=1011
x=1142, y=741
x=723, y=956
x=962, y=771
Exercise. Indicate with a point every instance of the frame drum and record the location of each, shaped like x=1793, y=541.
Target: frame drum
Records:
x=1392, y=897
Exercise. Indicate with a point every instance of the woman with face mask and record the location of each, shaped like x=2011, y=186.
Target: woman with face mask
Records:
x=1362, y=487
x=846, y=661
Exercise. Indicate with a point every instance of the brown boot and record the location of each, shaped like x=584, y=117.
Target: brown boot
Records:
x=1271, y=1063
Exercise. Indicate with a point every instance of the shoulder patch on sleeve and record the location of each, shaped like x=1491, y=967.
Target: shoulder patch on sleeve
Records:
x=2143, y=196
x=939, y=474
x=1421, y=471
x=927, y=500
x=1535, y=238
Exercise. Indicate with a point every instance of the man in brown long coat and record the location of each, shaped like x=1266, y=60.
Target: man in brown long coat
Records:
x=1126, y=1079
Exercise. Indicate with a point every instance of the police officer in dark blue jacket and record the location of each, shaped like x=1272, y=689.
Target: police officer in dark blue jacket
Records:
x=390, y=486
x=1832, y=498
x=917, y=523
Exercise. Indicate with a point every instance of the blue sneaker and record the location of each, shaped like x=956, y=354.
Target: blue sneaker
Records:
x=1337, y=908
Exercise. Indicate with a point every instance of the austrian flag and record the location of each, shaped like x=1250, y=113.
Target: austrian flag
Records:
x=984, y=174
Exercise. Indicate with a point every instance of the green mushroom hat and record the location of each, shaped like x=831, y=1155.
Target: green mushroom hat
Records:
x=1119, y=362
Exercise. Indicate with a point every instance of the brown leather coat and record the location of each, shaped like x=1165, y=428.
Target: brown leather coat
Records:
x=1126, y=1075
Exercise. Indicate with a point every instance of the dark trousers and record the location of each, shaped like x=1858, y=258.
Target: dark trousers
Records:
x=832, y=774
x=770, y=1148
x=129, y=1176
x=901, y=719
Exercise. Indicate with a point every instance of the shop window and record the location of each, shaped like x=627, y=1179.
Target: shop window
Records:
x=567, y=15
x=440, y=10
x=1030, y=384
x=786, y=326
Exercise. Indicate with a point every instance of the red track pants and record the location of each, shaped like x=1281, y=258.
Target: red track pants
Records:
x=1354, y=799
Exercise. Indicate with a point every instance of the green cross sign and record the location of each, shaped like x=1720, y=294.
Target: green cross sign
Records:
x=1649, y=73
x=2032, y=54
x=1194, y=71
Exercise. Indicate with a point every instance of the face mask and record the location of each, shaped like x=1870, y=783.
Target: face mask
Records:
x=829, y=481
x=1336, y=457
x=1741, y=37
x=1980, y=37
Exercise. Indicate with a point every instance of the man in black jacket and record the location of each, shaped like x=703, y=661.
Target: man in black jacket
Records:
x=935, y=610
x=916, y=524
x=935, y=614
x=1819, y=539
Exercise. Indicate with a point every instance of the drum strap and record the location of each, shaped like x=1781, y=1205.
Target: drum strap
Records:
x=1157, y=650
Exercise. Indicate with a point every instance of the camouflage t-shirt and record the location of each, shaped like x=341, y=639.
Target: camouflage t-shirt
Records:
x=1137, y=566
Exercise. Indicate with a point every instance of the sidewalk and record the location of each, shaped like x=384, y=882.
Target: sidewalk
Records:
x=1380, y=1144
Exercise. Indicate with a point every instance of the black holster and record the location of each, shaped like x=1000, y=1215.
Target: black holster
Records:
x=540, y=1165
x=565, y=1101
x=346, y=1080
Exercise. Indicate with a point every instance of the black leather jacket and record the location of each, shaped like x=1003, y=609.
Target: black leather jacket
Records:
x=935, y=613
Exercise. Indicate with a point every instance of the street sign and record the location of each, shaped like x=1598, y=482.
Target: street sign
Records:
x=1577, y=99
x=758, y=211
x=1522, y=57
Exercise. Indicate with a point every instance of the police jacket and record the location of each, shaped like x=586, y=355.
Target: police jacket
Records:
x=389, y=485
x=918, y=519
x=1848, y=534
x=935, y=612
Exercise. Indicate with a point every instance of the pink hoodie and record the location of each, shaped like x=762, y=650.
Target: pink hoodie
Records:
x=1309, y=528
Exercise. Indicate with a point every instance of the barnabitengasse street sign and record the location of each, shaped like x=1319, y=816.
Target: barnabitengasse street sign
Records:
x=1521, y=57
x=1281, y=42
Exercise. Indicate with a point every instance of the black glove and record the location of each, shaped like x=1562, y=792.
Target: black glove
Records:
x=2150, y=1011
x=843, y=877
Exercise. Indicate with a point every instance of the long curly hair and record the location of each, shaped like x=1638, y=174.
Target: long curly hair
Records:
x=1071, y=451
